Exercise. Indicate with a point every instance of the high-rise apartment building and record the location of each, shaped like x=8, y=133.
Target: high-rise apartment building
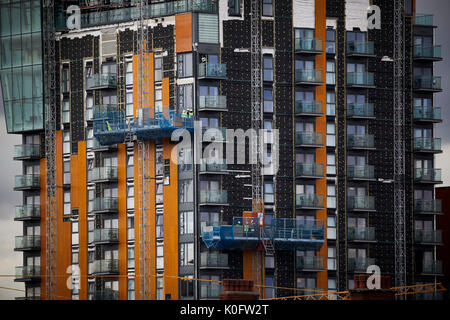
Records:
x=137, y=217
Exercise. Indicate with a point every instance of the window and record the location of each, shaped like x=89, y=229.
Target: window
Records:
x=129, y=110
x=130, y=228
x=331, y=228
x=269, y=292
x=356, y=67
x=331, y=72
x=268, y=100
x=159, y=224
x=109, y=68
x=159, y=255
x=268, y=68
x=89, y=107
x=331, y=196
x=187, y=287
x=66, y=171
x=187, y=222
x=130, y=197
x=331, y=41
x=130, y=258
x=332, y=284
x=269, y=262
x=159, y=288
x=158, y=99
x=267, y=8
x=130, y=166
x=65, y=79
x=331, y=258
x=187, y=254
x=184, y=65
x=109, y=97
x=331, y=104
x=184, y=97
x=234, y=7
x=66, y=142
x=209, y=218
x=129, y=72
x=187, y=191
x=158, y=69
x=268, y=192
x=131, y=289
x=66, y=210
x=356, y=36
x=331, y=134
x=65, y=111
x=74, y=233
x=306, y=283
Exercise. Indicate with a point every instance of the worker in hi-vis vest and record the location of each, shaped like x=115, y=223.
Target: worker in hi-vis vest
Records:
x=109, y=127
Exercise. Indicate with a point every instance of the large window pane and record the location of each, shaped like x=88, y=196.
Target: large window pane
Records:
x=27, y=82
x=37, y=81
x=15, y=18
x=36, y=16
x=37, y=48
x=27, y=114
x=26, y=17
x=17, y=83
x=5, y=22
x=5, y=52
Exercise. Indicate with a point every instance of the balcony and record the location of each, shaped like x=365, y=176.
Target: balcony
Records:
x=310, y=263
x=212, y=71
x=432, y=268
x=213, y=198
x=27, y=182
x=212, y=260
x=431, y=176
x=105, y=267
x=360, y=48
x=213, y=168
x=27, y=152
x=359, y=234
x=308, y=77
x=361, y=173
x=212, y=103
x=428, y=237
x=308, y=139
x=95, y=145
x=360, y=111
x=105, y=205
x=106, y=236
x=423, y=20
x=427, y=84
x=428, y=207
x=432, y=53
x=359, y=265
x=360, y=79
x=308, y=45
x=103, y=174
x=308, y=108
x=309, y=170
x=106, y=294
x=366, y=203
x=28, y=273
x=309, y=201
x=427, y=114
x=210, y=290
x=101, y=81
x=28, y=213
x=427, y=145
x=28, y=243
x=361, y=142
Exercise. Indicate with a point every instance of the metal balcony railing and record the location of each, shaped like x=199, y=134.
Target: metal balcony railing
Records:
x=361, y=79
x=428, y=206
x=110, y=266
x=427, y=114
x=308, y=139
x=366, y=141
x=433, y=237
x=27, y=181
x=213, y=260
x=361, y=234
x=307, y=201
x=27, y=151
x=210, y=290
x=99, y=81
x=103, y=174
x=105, y=205
x=214, y=103
x=308, y=76
x=428, y=175
x=359, y=264
x=308, y=45
x=313, y=263
x=366, y=203
x=365, y=172
x=365, y=48
x=432, y=145
x=423, y=20
x=213, y=197
x=427, y=83
x=28, y=272
x=28, y=212
x=28, y=242
x=309, y=170
x=313, y=108
x=212, y=71
x=106, y=235
x=360, y=110
x=432, y=52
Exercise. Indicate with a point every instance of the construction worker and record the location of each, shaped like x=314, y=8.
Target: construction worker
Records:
x=107, y=124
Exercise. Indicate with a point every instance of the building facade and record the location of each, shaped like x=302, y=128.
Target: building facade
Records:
x=138, y=217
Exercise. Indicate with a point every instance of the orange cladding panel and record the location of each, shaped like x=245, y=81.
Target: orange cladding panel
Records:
x=183, y=32
x=122, y=192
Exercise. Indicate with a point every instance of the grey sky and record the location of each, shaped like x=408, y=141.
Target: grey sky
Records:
x=8, y=198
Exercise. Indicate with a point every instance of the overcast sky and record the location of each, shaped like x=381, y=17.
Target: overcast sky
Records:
x=8, y=198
